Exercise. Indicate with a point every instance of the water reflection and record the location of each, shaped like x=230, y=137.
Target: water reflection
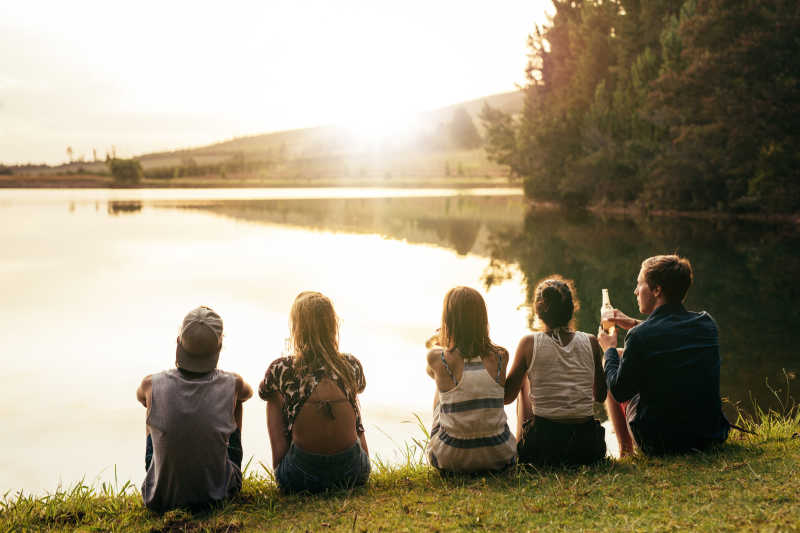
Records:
x=464, y=224
x=124, y=207
x=745, y=276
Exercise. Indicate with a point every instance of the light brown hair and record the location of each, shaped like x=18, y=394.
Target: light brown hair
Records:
x=670, y=272
x=465, y=323
x=315, y=337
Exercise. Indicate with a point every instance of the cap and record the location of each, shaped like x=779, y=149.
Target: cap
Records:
x=199, y=341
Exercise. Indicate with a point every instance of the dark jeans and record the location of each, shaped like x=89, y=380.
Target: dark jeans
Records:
x=300, y=470
x=548, y=443
x=235, y=451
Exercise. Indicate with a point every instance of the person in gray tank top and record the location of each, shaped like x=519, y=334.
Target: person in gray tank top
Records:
x=193, y=451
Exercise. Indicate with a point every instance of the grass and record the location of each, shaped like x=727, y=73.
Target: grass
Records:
x=750, y=483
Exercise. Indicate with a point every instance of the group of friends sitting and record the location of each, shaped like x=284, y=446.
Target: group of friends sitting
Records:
x=661, y=393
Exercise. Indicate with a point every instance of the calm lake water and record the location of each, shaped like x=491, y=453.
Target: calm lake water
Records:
x=96, y=282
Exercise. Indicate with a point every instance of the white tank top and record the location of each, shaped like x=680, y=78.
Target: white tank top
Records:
x=562, y=377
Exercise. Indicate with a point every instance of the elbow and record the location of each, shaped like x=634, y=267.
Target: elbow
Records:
x=620, y=394
x=510, y=394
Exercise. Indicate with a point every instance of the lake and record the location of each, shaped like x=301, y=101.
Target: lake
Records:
x=95, y=284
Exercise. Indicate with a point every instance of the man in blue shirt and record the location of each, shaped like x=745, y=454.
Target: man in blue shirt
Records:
x=668, y=375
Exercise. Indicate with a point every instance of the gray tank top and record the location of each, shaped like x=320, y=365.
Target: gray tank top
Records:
x=190, y=422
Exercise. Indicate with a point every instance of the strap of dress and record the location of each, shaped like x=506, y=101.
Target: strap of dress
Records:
x=447, y=367
x=499, y=365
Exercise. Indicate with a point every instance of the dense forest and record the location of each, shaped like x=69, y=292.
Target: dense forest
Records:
x=665, y=104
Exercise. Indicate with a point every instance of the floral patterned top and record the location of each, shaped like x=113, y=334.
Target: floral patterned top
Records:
x=294, y=388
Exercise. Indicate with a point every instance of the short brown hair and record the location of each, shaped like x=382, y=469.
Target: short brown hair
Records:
x=670, y=272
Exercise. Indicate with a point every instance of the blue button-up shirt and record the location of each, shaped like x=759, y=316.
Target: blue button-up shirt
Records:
x=670, y=374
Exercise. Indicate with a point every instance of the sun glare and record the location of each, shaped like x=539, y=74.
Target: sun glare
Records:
x=373, y=131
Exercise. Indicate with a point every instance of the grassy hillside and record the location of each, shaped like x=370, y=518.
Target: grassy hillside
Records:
x=749, y=484
x=424, y=149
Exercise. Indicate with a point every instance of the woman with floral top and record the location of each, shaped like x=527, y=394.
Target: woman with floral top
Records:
x=313, y=415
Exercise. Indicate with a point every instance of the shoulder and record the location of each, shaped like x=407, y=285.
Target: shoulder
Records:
x=353, y=361
x=526, y=343
x=281, y=364
x=147, y=382
x=706, y=317
x=435, y=356
x=233, y=376
x=501, y=353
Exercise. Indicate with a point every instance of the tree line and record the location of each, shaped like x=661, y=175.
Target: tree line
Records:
x=670, y=104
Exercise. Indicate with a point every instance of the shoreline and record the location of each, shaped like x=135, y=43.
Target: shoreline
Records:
x=93, y=181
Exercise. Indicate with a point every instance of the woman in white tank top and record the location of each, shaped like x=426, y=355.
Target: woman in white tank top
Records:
x=564, y=375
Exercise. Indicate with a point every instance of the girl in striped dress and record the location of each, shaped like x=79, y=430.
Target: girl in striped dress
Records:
x=469, y=433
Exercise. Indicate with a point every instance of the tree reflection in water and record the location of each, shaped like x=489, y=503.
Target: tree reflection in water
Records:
x=745, y=276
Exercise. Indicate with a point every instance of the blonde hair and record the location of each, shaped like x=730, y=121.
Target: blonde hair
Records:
x=465, y=323
x=314, y=330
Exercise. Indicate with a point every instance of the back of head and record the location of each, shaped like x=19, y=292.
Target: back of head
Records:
x=670, y=272
x=555, y=302
x=315, y=336
x=199, y=340
x=465, y=323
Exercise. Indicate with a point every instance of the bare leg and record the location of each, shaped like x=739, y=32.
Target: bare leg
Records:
x=524, y=406
x=276, y=427
x=620, y=426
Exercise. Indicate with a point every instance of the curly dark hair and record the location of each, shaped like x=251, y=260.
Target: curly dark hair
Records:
x=555, y=301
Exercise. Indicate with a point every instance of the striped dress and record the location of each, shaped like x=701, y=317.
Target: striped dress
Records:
x=470, y=433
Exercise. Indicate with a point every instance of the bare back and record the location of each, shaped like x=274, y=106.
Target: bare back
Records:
x=455, y=363
x=326, y=423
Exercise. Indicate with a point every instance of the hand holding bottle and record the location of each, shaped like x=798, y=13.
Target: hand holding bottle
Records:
x=618, y=318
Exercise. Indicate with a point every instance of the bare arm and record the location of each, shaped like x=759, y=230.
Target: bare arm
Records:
x=519, y=369
x=243, y=391
x=144, y=392
x=276, y=427
x=432, y=359
x=599, y=389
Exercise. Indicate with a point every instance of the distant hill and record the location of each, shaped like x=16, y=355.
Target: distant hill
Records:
x=309, y=141
x=328, y=151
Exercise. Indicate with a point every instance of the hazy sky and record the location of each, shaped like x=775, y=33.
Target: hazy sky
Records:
x=148, y=75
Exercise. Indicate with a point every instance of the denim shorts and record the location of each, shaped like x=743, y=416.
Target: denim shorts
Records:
x=300, y=470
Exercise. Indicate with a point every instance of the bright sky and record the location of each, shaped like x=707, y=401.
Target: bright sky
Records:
x=157, y=75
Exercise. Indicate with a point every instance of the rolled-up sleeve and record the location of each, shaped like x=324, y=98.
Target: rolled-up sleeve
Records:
x=623, y=375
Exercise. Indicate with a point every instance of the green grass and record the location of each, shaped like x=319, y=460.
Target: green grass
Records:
x=750, y=483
